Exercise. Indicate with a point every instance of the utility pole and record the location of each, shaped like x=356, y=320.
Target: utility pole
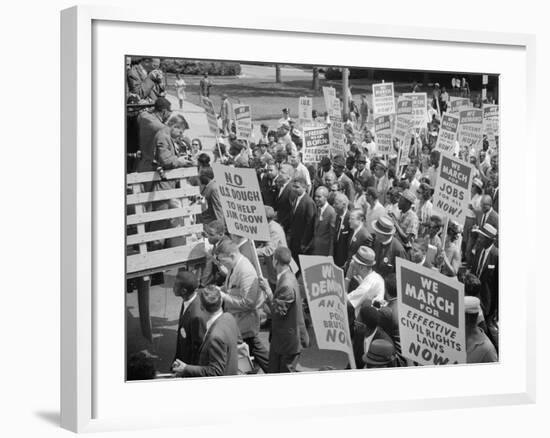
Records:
x=345, y=91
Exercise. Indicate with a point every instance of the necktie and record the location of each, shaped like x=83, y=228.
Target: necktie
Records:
x=340, y=220
x=480, y=263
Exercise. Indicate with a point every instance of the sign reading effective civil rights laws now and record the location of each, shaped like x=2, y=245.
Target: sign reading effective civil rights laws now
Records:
x=327, y=300
x=446, y=140
x=431, y=315
x=316, y=144
x=452, y=191
x=242, y=204
x=383, y=99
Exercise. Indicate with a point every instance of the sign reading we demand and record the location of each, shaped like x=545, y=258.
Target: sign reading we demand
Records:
x=242, y=204
x=327, y=300
x=431, y=315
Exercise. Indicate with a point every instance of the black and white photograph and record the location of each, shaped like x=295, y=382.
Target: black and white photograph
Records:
x=285, y=218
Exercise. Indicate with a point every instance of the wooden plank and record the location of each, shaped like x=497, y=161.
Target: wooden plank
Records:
x=162, y=195
x=141, y=177
x=136, y=189
x=164, y=257
x=135, y=239
x=134, y=219
x=164, y=268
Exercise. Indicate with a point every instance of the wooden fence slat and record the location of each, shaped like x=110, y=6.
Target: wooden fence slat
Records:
x=171, y=213
x=135, y=239
x=164, y=257
x=162, y=195
x=141, y=177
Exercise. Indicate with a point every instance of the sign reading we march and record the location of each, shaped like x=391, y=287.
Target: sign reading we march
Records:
x=383, y=99
x=327, y=300
x=242, y=204
x=446, y=140
x=431, y=315
x=243, y=121
x=452, y=190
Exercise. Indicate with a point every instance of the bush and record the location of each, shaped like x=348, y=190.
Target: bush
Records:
x=201, y=67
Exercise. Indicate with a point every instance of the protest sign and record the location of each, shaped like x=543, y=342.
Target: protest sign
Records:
x=383, y=99
x=458, y=104
x=383, y=133
x=448, y=131
x=332, y=103
x=243, y=121
x=242, y=204
x=206, y=103
x=337, y=141
x=305, y=110
x=490, y=118
x=419, y=108
x=403, y=119
x=431, y=315
x=405, y=149
x=452, y=190
x=316, y=144
x=470, y=129
x=327, y=300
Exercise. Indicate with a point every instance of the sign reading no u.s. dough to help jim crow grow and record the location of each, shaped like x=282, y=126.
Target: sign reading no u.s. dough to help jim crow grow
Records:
x=242, y=204
x=431, y=315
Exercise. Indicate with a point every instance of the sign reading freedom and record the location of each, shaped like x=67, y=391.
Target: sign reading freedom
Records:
x=431, y=315
x=316, y=144
x=327, y=300
x=206, y=103
x=242, y=204
x=452, y=191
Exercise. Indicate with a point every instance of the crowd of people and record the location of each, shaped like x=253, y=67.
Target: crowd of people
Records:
x=363, y=209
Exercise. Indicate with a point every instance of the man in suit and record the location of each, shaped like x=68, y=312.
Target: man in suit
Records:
x=324, y=225
x=338, y=166
x=386, y=246
x=213, y=272
x=485, y=267
x=302, y=219
x=359, y=234
x=211, y=195
x=285, y=196
x=266, y=250
x=286, y=313
x=218, y=351
x=342, y=230
x=242, y=298
x=268, y=185
x=192, y=319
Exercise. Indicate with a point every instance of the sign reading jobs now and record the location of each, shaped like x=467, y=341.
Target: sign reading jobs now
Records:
x=452, y=191
x=431, y=315
x=242, y=204
x=327, y=301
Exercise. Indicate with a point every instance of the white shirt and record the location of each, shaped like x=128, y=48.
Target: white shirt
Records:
x=371, y=287
x=321, y=211
x=283, y=187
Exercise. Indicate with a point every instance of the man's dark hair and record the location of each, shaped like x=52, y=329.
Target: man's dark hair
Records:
x=371, y=191
x=206, y=175
x=227, y=247
x=300, y=180
x=162, y=104
x=211, y=298
x=216, y=225
x=141, y=366
x=472, y=285
x=204, y=159
x=283, y=255
x=369, y=315
x=187, y=280
x=390, y=282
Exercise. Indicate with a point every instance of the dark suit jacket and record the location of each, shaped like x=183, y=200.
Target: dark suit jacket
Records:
x=301, y=226
x=214, y=205
x=492, y=219
x=488, y=278
x=341, y=241
x=286, y=307
x=269, y=191
x=362, y=238
x=218, y=352
x=149, y=125
x=191, y=331
x=283, y=207
x=323, y=232
x=165, y=155
x=359, y=345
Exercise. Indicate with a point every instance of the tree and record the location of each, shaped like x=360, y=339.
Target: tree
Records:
x=315, y=81
x=278, y=74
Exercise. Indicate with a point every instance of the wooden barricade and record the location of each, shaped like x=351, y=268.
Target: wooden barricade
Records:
x=161, y=230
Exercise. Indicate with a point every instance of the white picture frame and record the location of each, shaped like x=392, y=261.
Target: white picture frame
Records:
x=83, y=341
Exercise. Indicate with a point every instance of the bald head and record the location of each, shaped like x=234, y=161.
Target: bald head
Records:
x=486, y=203
x=321, y=195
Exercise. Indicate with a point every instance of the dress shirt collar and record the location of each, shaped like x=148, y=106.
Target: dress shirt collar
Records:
x=213, y=319
x=187, y=303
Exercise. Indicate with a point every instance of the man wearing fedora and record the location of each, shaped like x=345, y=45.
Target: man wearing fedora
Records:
x=371, y=285
x=479, y=349
x=386, y=246
x=485, y=267
x=338, y=166
x=366, y=331
x=358, y=269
